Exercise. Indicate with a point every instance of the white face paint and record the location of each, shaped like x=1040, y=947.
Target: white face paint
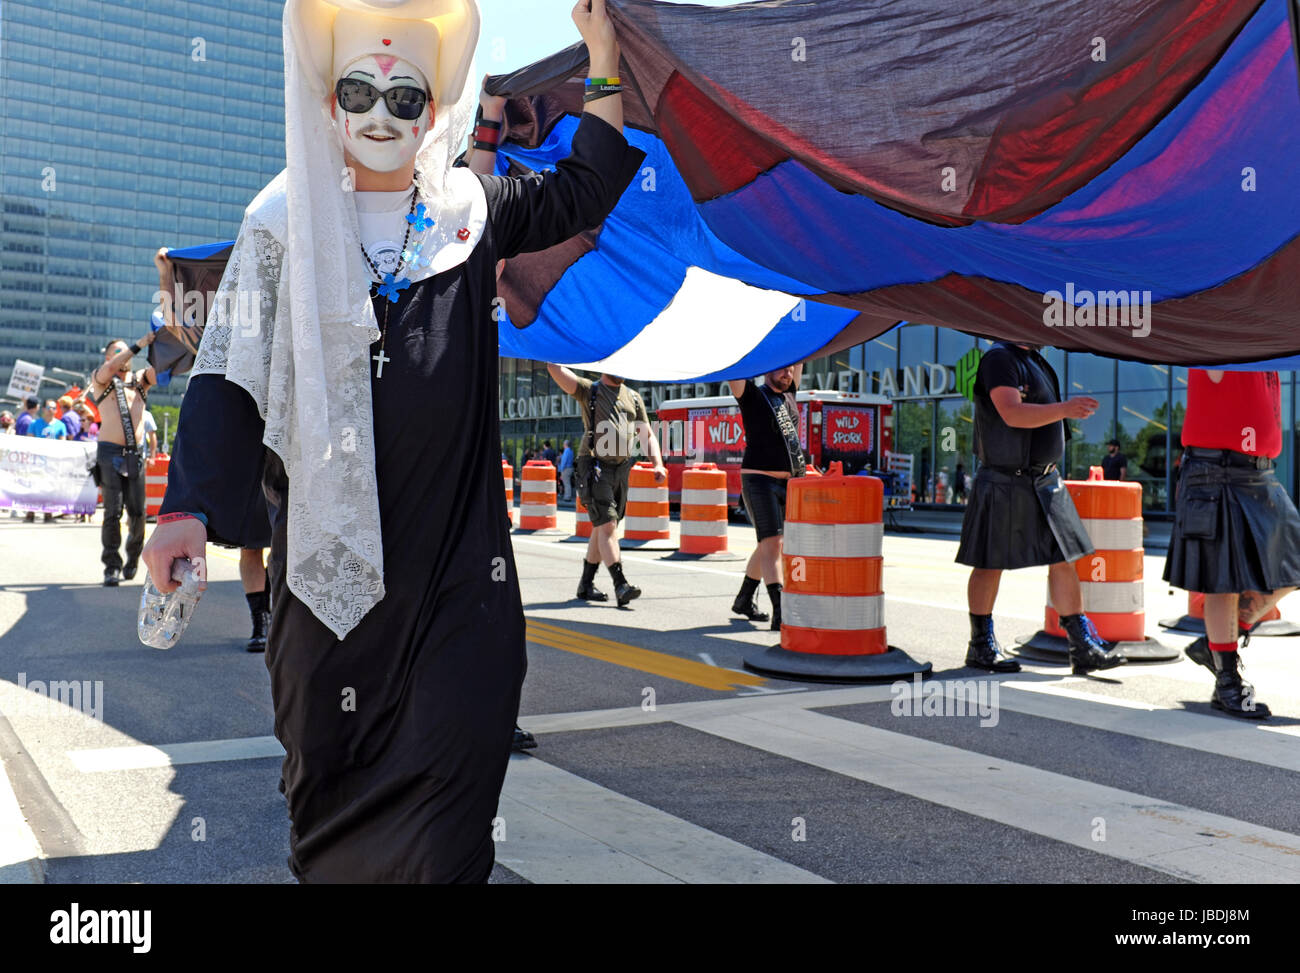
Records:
x=377, y=139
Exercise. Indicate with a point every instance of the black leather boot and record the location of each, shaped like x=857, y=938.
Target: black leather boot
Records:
x=1199, y=652
x=259, y=609
x=523, y=740
x=744, y=603
x=984, y=652
x=624, y=591
x=774, y=595
x=1232, y=694
x=587, y=590
x=1087, y=650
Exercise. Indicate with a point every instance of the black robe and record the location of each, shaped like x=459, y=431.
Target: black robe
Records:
x=404, y=788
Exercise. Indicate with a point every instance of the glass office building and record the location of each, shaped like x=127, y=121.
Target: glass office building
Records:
x=124, y=126
x=917, y=366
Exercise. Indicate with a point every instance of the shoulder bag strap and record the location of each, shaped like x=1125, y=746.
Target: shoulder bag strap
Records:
x=591, y=413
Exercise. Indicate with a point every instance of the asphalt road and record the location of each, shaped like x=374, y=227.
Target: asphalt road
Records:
x=661, y=759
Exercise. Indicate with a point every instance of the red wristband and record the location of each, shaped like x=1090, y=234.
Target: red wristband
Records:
x=168, y=518
x=483, y=134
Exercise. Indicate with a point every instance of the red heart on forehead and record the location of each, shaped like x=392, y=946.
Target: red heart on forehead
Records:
x=387, y=41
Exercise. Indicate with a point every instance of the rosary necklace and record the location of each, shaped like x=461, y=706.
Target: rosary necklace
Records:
x=391, y=286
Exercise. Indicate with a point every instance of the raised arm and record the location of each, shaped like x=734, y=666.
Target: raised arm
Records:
x=534, y=212
x=562, y=377
x=166, y=284
x=104, y=373
x=603, y=56
x=737, y=387
x=483, y=153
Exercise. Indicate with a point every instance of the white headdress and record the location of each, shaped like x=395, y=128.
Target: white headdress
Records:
x=293, y=322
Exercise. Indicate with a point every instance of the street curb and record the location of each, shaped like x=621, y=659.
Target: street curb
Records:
x=21, y=862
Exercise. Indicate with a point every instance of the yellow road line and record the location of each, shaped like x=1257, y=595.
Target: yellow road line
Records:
x=645, y=660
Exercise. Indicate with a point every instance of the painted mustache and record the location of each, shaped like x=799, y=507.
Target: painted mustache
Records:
x=380, y=130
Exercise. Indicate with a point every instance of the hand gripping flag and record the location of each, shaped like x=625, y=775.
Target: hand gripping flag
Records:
x=196, y=272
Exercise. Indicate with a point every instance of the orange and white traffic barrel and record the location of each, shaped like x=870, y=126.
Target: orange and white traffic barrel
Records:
x=155, y=484
x=581, y=520
x=508, y=475
x=1110, y=579
x=703, y=528
x=537, y=505
x=1272, y=624
x=645, y=521
x=832, y=605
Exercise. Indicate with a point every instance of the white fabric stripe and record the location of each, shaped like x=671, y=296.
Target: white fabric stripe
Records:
x=841, y=612
x=1114, y=535
x=1150, y=832
x=645, y=523
x=704, y=498
x=656, y=352
x=833, y=540
x=535, y=510
x=704, y=528
x=1116, y=597
x=647, y=494
x=561, y=828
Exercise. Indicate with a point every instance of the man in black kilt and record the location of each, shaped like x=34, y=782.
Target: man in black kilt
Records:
x=1020, y=514
x=1236, y=532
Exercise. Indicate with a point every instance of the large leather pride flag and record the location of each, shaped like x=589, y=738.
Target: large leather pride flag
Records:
x=818, y=170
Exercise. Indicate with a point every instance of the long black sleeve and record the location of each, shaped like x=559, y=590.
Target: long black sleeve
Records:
x=216, y=465
x=537, y=211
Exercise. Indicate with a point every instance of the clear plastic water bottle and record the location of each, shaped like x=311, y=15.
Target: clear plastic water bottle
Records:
x=163, y=618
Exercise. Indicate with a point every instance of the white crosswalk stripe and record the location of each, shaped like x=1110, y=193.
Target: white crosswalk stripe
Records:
x=561, y=828
x=1180, y=841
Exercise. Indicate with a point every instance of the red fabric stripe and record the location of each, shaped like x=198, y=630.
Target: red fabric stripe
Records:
x=1053, y=146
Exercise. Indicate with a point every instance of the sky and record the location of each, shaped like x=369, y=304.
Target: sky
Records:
x=515, y=33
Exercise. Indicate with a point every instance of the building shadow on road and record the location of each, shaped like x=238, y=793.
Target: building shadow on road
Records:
x=219, y=821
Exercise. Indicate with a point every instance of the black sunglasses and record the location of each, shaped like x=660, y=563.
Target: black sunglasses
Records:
x=359, y=97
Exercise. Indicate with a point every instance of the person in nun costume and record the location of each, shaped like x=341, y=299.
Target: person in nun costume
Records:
x=362, y=281
x=1020, y=513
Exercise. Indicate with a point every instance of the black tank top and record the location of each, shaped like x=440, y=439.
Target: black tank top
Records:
x=771, y=421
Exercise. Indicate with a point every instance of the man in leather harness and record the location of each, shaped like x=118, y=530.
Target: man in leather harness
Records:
x=770, y=413
x=1020, y=514
x=120, y=453
x=1236, y=532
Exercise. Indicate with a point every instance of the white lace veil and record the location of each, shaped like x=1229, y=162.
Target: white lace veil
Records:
x=293, y=322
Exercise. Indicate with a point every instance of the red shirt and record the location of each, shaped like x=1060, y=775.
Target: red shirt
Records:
x=1242, y=413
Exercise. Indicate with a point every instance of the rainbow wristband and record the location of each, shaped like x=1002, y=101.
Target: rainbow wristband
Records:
x=591, y=82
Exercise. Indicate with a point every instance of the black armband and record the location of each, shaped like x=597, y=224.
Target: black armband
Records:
x=134, y=349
